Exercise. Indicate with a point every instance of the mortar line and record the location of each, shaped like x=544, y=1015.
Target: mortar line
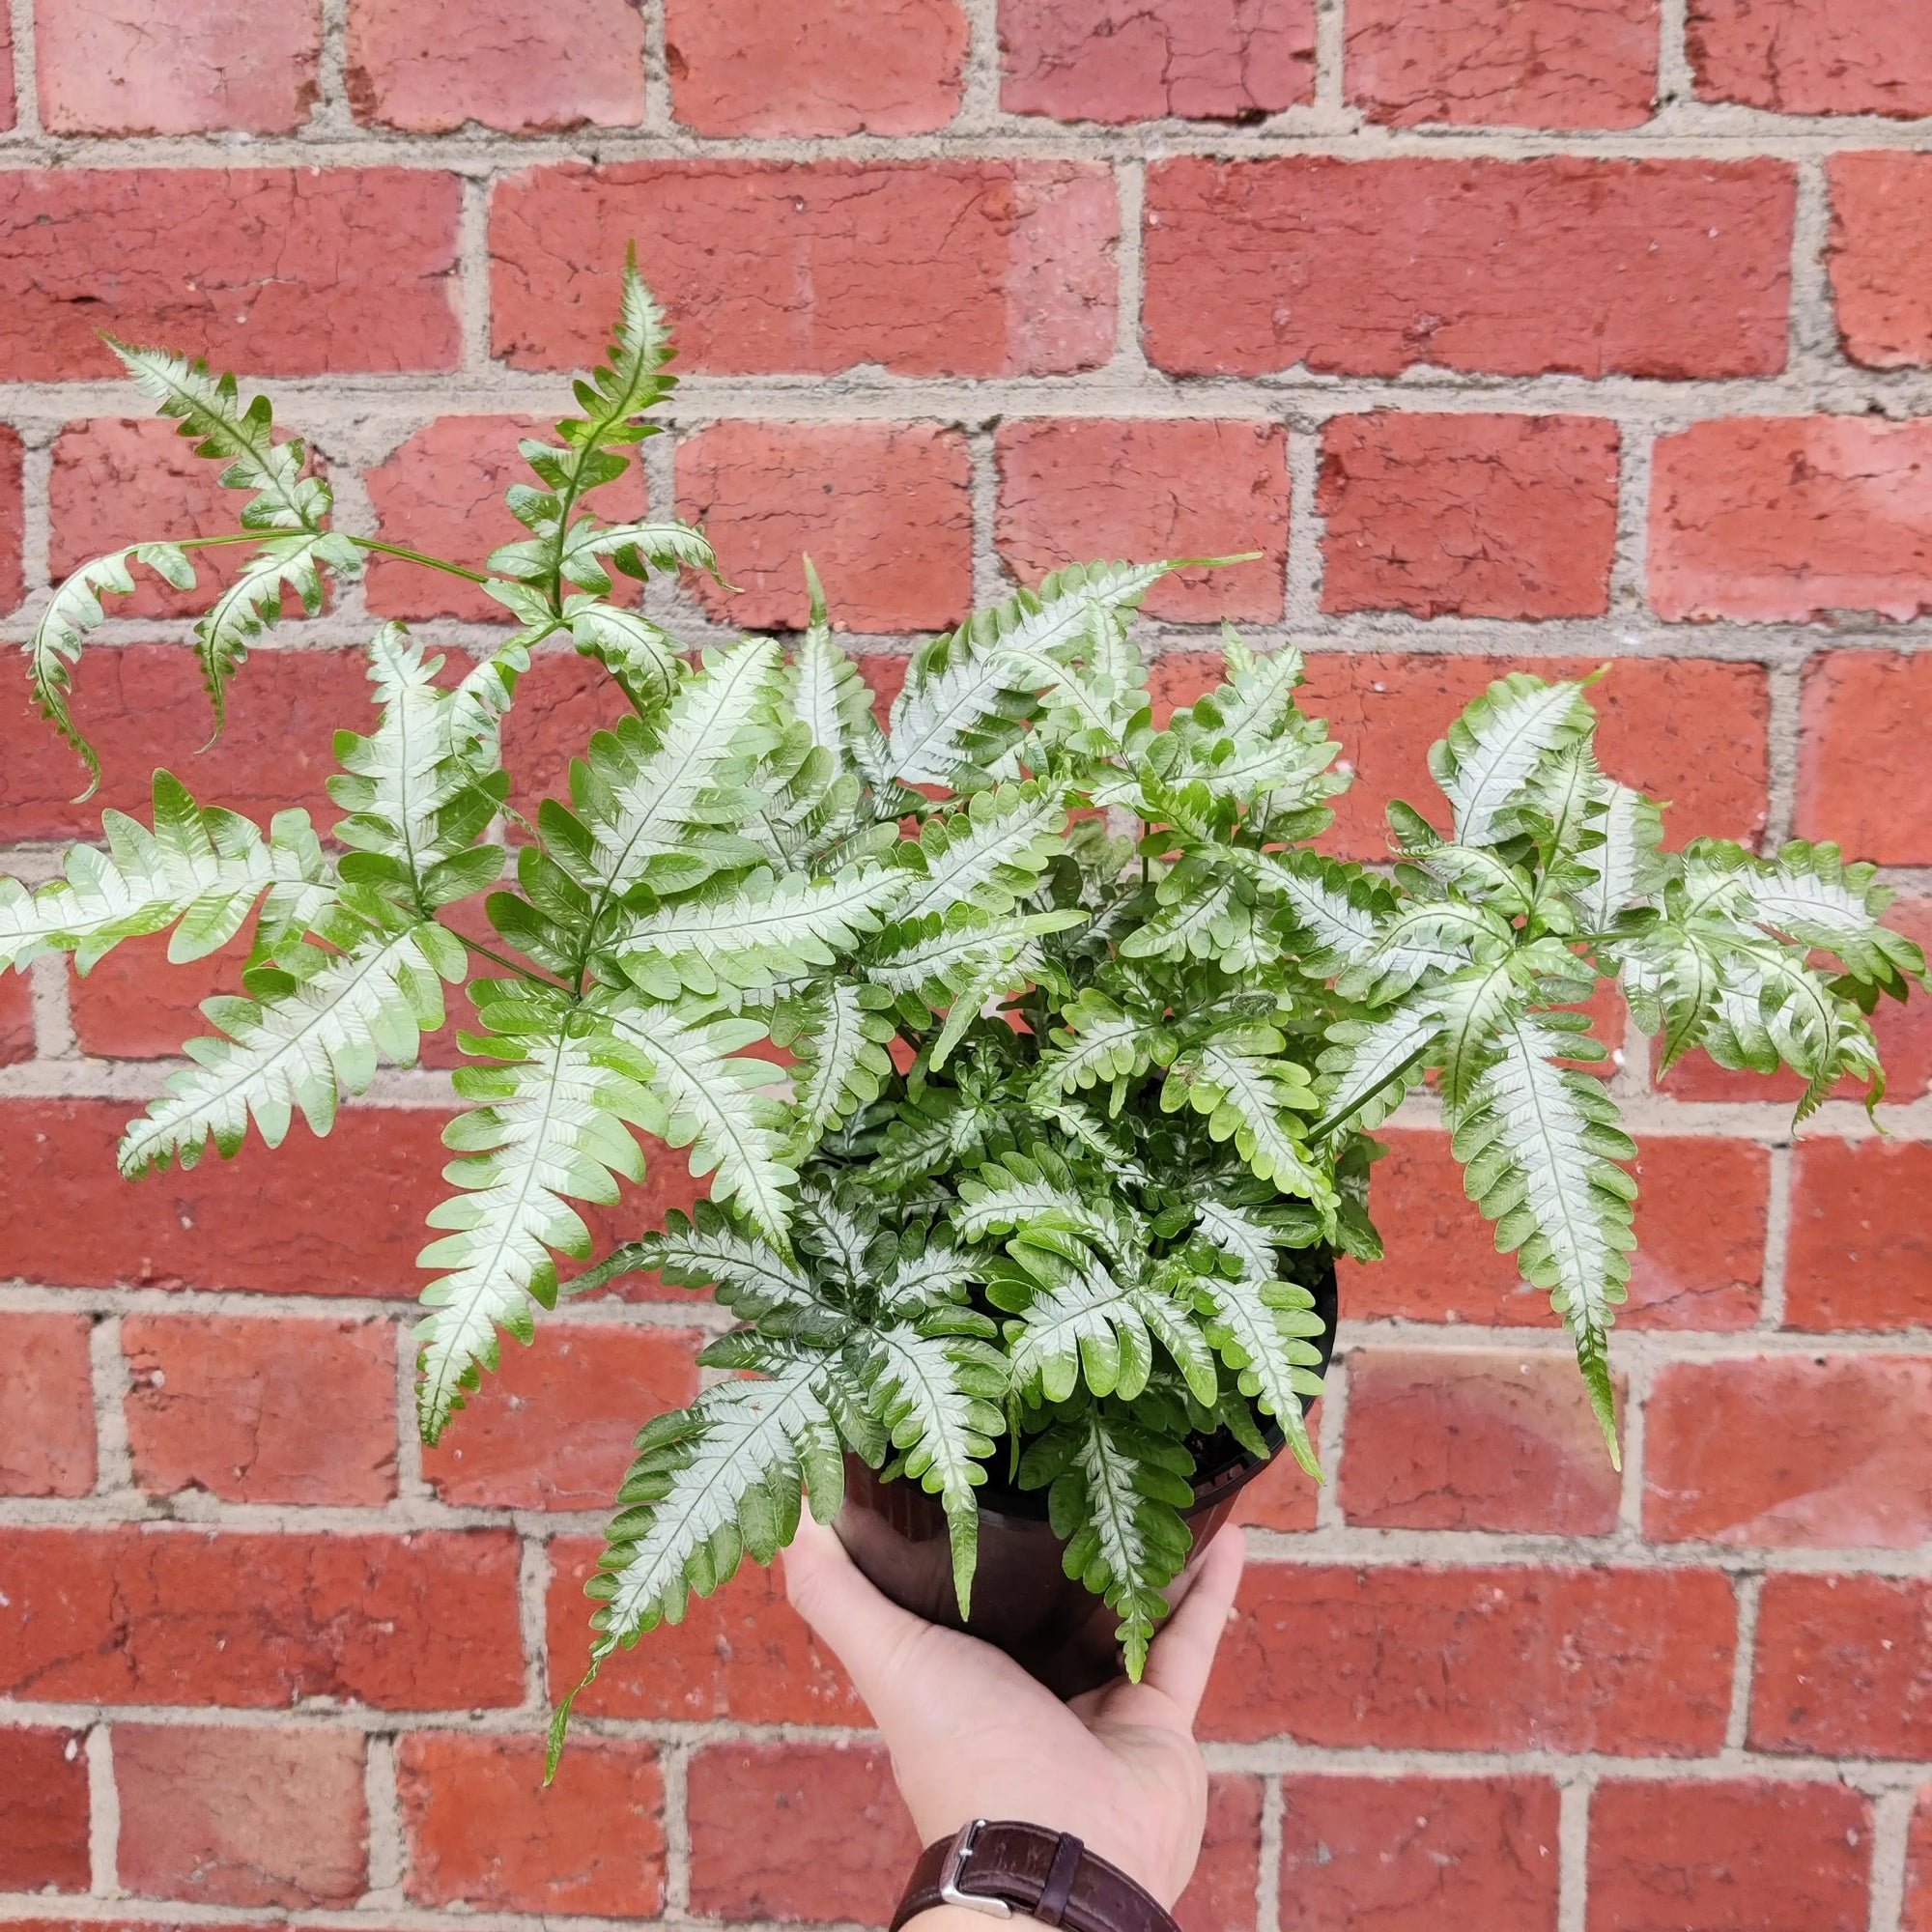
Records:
x=103, y=1815
x=26, y=82
x=53, y=1020
x=1630, y=557
x=659, y=117
x=1891, y=1844
x=1267, y=1872
x=387, y=1841
x=112, y=1385
x=1748, y=1587
x=1676, y=84
x=990, y=582
x=1129, y=357
x=1573, y=1843
x=533, y=1581
x=1786, y=741
x=1776, y=1239
x=472, y=278
x=332, y=112
x=1331, y=54
x=980, y=110
x=410, y=1482
x=1813, y=322
x=674, y=1766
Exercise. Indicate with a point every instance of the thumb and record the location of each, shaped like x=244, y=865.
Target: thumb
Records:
x=869, y=1635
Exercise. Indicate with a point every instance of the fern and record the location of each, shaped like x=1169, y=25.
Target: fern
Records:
x=1029, y=1054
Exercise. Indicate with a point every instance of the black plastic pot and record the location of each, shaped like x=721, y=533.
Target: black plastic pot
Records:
x=1023, y=1600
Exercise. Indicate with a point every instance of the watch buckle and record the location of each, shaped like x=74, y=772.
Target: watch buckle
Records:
x=955, y=1869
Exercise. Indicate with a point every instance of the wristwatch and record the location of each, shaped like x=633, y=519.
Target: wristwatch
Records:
x=1007, y=1866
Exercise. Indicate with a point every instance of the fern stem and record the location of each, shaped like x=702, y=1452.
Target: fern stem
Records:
x=508, y=964
x=416, y=557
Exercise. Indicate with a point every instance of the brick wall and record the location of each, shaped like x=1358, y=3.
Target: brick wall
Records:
x=1545, y=331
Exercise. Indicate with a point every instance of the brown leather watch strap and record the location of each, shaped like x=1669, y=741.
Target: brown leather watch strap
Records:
x=1005, y=1866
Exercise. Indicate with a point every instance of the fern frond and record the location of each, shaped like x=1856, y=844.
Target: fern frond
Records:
x=641, y=655
x=1264, y=1330
x=72, y=613
x=1540, y=1147
x=545, y=1127
x=200, y=869
x=316, y=1031
x=1095, y=1328
x=843, y=1061
x=1808, y=893
x=1371, y=1064
x=708, y=1250
x=1336, y=908
x=830, y=697
x=1252, y=1099
x=1032, y=1195
x=253, y=603
x=1493, y=751
x=989, y=853
x=1620, y=853
x=1099, y=1044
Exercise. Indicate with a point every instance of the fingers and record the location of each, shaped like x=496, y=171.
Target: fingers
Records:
x=866, y=1631
x=1183, y=1653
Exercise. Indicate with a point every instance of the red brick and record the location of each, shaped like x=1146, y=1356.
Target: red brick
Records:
x=1499, y=63
x=1704, y=1857
x=1861, y=779
x=1860, y=1253
x=1221, y=1895
x=743, y=1654
x=1812, y=56
x=242, y=1817
x=16, y=1018
x=884, y=511
x=1282, y=1497
x=140, y=67
x=167, y=1617
x=1629, y=1663
x=1790, y=1452
x=1918, y=1866
x=760, y=1848
x=119, y=479
x=1652, y=268
x=44, y=1798
x=1077, y=488
x=441, y=492
x=1469, y=516
x=1418, y=1854
x=481, y=1828
x=1474, y=1439
x=263, y=1411
x=47, y=1408
x=1114, y=60
x=1700, y=1224
x=1790, y=518
x=967, y=268
x=143, y=705
x=1881, y=220
x=1841, y=1667
x=285, y=271
x=1692, y=732
x=848, y=67
x=13, y=585
x=555, y=1430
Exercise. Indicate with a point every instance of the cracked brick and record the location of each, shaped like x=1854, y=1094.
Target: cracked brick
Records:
x=1141, y=60
x=1881, y=233
x=843, y=66
x=1667, y=269
x=1812, y=56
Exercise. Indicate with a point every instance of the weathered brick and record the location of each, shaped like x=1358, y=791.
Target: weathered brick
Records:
x=1474, y=1439
x=1282, y=1496
x=1141, y=60
x=1418, y=1854
x=1917, y=1906
x=884, y=510
x=242, y=1817
x=1469, y=516
x=1881, y=222
x=1076, y=488
x=140, y=67
x=1689, y=730
x=1860, y=1253
x=47, y=1408
x=117, y=478
x=17, y=1038
x=738, y=67
x=181, y=1616
x=143, y=705
x=441, y=492
x=964, y=267
x=12, y=513
x=1642, y=267
x=1790, y=518
x=1220, y=1897
x=1790, y=1452
x=1407, y=1658
x=1700, y=1224
x=1707, y=1857
x=44, y=1798
x=1841, y=1667
x=1861, y=777
x=743, y=1654
x=285, y=271
x=758, y=1844
x=263, y=1411
x=481, y=1828
x=1812, y=56
x=523, y=70
x=555, y=1429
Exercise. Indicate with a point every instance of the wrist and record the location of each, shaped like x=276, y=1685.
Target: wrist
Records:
x=1004, y=1868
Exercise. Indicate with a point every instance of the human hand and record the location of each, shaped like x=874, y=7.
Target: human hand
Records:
x=971, y=1735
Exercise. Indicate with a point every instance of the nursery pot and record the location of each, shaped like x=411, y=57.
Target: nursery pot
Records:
x=1023, y=1600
